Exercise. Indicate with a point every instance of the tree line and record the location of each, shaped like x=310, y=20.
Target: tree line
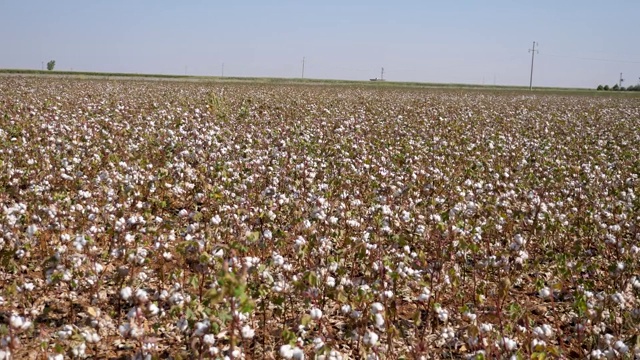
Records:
x=617, y=87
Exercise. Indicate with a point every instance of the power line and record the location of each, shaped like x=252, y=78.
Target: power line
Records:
x=533, y=53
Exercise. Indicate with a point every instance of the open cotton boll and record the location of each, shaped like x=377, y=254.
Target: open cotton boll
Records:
x=544, y=292
x=286, y=351
x=377, y=308
x=209, y=339
x=142, y=296
x=126, y=293
x=16, y=321
x=247, y=332
x=315, y=313
x=379, y=320
x=370, y=338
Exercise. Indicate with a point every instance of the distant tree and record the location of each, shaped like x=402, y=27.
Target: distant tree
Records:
x=51, y=64
x=622, y=88
x=615, y=87
x=600, y=88
x=606, y=88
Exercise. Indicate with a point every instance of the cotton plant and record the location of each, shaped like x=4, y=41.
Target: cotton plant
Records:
x=150, y=208
x=10, y=340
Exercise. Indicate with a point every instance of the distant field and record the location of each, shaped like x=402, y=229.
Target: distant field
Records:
x=292, y=81
x=268, y=219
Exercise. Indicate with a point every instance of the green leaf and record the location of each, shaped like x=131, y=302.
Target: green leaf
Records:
x=247, y=307
x=514, y=309
x=204, y=258
x=193, y=281
x=189, y=314
x=289, y=337
x=253, y=236
x=313, y=279
x=215, y=327
x=278, y=301
x=225, y=316
x=212, y=296
x=580, y=305
x=538, y=356
x=306, y=319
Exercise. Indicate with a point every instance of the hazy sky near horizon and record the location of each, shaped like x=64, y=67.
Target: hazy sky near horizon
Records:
x=581, y=43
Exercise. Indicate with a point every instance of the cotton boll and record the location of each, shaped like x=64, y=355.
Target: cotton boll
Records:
x=379, y=320
x=65, y=333
x=544, y=292
x=315, y=313
x=298, y=354
x=28, y=287
x=443, y=314
x=126, y=293
x=247, y=332
x=508, y=344
x=137, y=332
x=370, y=338
x=182, y=325
x=153, y=309
x=318, y=343
x=16, y=321
x=91, y=336
x=621, y=347
x=346, y=309
x=377, y=308
x=331, y=281
x=200, y=328
x=471, y=316
x=486, y=327
x=142, y=296
x=79, y=350
x=286, y=351
x=124, y=329
x=209, y=339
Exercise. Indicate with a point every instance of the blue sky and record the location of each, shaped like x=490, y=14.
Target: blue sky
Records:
x=581, y=43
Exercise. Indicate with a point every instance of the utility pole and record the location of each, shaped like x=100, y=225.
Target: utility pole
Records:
x=303, y=67
x=533, y=53
x=621, y=80
x=382, y=74
x=42, y=66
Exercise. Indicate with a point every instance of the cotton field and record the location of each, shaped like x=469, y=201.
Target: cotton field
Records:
x=153, y=219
